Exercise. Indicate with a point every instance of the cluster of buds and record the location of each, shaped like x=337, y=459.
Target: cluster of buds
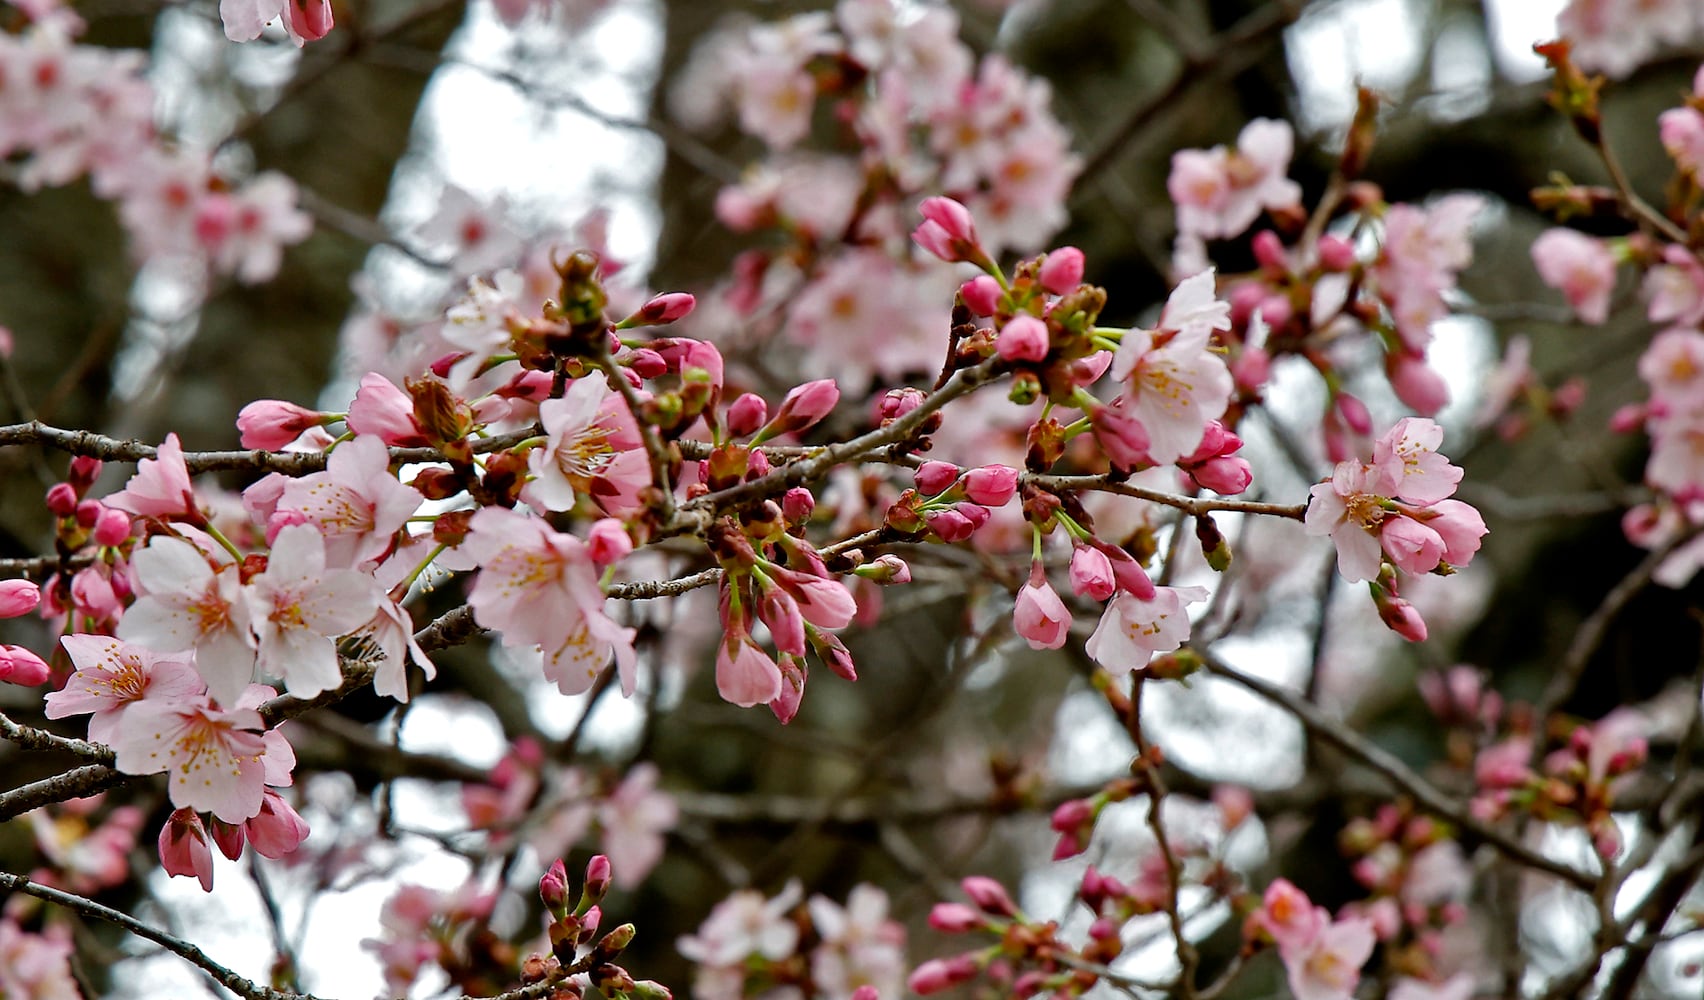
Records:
x=1024, y=961
x=1417, y=878
x=1576, y=784
x=1074, y=819
x=950, y=504
x=776, y=578
x=576, y=946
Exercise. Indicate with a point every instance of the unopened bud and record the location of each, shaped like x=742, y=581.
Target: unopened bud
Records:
x=553, y=888
x=746, y=414
x=990, y=895
x=61, y=500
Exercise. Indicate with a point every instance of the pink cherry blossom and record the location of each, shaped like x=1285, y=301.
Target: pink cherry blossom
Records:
x=1131, y=629
x=356, y=505
x=188, y=604
x=1350, y=508
x=1579, y=266
x=1407, y=458
x=299, y=607
x=1675, y=288
x=160, y=488
x=539, y=586
x=1176, y=387
x=634, y=817
x=592, y=439
x=36, y=966
x=214, y=759
x=384, y=411
x=277, y=829
x=1329, y=966
x=745, y=674
x=112, y=675
x=1424, y=249
x=1413, y=547
x=1220, y=192
x=1673, y=366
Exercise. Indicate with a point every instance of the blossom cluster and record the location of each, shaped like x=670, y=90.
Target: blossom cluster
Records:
x=776, y=947
x=68, y=110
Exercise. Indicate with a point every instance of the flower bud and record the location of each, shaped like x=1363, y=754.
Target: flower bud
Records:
x=897, y=403
x=84, y=470
x=183, y=848
x=664, y=308
x=607, y=542
x=1023, y=338
x=18, y=597
x=991, y=485
x=956, y=918
x=1091, y=574
x=746, y=414
x=1269, y=253
x=950, y=525
x=797, y=505
x=553, y=888
x=615, y=941
x=112, y=527
x=20, y=666
x=598, y=877
x=885, y=569
x=1062, y=270
x=990, y=895
x=981, y=295
x=273, y=423
x=802, y=407
x=935, y=478
x=1336, y=254
x=939, y=974
x=62, y=500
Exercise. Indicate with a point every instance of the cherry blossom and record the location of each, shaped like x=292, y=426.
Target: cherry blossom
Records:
x=215, y=759
x=539, y=586
x=298, y=607
x=1220, y=192
x=593, y=449
x=356, y=505
x=634, y=817
x=1581, y=267
x=1175, y=386
x=1132, y=629
x=160, y=487
x=189, y=603
x=112, y=675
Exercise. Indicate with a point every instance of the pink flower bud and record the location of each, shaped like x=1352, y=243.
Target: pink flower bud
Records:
x=1091, y=574
x=1275, y=310
x=1354, y=413
x=1062, y=270
x=976, y=514
x=803, y=406
x=746, y=414
x=20, y=666
x=1132, y=578
x=598, y=878
x=1417, y=384
x=18, y=597
x=886, y=569
x=797, y=505
x=1071, y=814
x=1269, y=252
x=1251, y=368
x=227, y=837
x=1227, y=476
x=87, y=512
x=84, y=470
x=950, y=525
x=780, y=613
x=1023, y=338
x=897, y=403
x=184, y=849
x=1039, y=615
x=1400, y=617
x=277, y=830
x=607, y=541
x=1336, y=253
x=934, y=478
x=981, y=295
x=948, y=231
x=955, y=918
x=647, y=363
x=1121, y=436
x=553, y=888
x=1629, y=418
x=1235, y=805
x=939, y=974
x=382, y=409
x=991, y=485
x=664, y=308
x=989, y=895
x=273, y=423
x=62, y=500
x=112, y=527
